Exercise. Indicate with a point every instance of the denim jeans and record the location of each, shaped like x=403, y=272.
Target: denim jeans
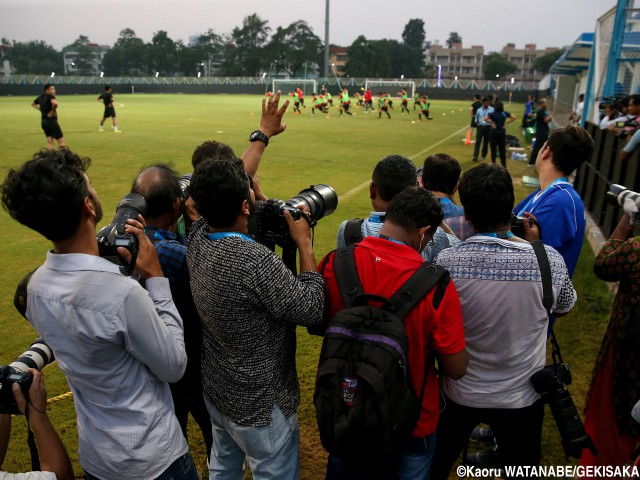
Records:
x=414, y=463
x=182, y=469
x=272, y=451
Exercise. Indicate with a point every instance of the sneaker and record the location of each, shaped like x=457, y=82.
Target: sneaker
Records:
x=483, y=435
x=475, y=159
x=101, y=129
x=489, y=458
x=117, y=131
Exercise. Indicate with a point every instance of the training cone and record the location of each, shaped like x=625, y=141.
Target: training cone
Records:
x=467, y=141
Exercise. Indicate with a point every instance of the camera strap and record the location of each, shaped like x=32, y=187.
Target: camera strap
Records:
x=547, y=295
x=31, y=442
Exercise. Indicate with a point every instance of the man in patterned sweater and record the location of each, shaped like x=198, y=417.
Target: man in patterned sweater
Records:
x=250, y=304
x=505, y=325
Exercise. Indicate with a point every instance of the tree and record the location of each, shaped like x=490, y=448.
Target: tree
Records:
x=544, y=63
x=497, y=64
x=163, y=53
x=83, y=58
x=413, y=37
x=361, y=54
x=294, y=46
x=34, y=57
x=244, y=54
x=208, y=49
x=453, y=38
x=128, y=55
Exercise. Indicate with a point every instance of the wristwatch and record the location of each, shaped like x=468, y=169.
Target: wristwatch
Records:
x=258, y=135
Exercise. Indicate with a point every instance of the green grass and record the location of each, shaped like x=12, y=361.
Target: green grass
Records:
x=338, y=151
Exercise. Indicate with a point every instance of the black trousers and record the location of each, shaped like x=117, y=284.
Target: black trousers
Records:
x=482, y=133
x=497, y=142
x=518, y=433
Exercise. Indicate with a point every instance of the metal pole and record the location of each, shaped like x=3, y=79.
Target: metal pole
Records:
x=326, y=42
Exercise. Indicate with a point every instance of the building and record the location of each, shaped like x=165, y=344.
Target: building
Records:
x=338, y=58
x=524, y=58
x=457, y=61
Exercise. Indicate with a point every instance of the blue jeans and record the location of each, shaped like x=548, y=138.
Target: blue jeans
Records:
x=414, y=463
x=272, y=451
x=182, y=469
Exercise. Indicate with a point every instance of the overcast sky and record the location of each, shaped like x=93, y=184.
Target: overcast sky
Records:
x=492, y=23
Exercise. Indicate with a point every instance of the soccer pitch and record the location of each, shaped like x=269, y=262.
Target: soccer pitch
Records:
x=340, y=152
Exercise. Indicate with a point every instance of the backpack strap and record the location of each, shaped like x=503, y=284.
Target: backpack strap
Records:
x=20, y=297
x=353, y=231
x=346, y=275
x=416, y=287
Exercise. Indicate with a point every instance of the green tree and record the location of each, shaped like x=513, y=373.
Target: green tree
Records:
x=205, y=52
x=244, y=54
x=162, y=52
x=544, y=63
x=128, y=55
x=497, y=64
x=295, y=45
x=83, y=59
x=35, y=57
x=412, y=55
x=453, y=38
x=361, y=54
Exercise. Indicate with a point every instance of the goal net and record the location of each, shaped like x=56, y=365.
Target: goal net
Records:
x=391, y=86
x=286, y=86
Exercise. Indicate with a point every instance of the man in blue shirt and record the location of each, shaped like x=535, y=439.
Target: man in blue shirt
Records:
x=483, y=130
x=556, y=205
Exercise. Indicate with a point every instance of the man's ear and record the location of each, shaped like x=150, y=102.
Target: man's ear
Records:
x=88, y=208
x=373, y=192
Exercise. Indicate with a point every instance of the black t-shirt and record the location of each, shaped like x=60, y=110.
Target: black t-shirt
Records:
x=499, y=118
x=44, y=101
x=542, y=128
x=106, y=98
x=475, y=106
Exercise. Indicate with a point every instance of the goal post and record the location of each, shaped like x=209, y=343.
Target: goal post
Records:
x=288, y=85
x=388, y=85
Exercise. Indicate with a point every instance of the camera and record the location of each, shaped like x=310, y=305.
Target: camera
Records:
x=38, y=355
x=268, y=225
x=185, y=181
x=619, y=194
x=517, y=225
x=550, y=384
x=114, y=235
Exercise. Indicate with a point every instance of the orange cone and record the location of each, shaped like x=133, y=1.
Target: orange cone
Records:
x=468, y=139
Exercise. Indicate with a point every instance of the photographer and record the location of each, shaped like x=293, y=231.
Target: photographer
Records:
x=614, y=386
x=159, y=185
x=250, y=304
x=631, y=146
x=54, y=459
x=117, y=343
x=505, y=326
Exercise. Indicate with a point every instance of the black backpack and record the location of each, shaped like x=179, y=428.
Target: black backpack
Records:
x=365, y=405
x=353, y=231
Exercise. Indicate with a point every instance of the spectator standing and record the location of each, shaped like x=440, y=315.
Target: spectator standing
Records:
x=499, y=119
x=117, y=343
x=434, y=327
x=483, y=129
x=542, y=120
x=250, y=304
x=505, y=325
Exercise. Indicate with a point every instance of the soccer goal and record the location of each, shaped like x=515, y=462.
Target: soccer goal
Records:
x=288, y=85
x=391, y=86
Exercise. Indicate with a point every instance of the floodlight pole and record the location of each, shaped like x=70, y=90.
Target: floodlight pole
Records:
x=326, y=42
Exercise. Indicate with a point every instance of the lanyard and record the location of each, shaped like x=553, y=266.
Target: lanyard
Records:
x=384, y=237
x=533, y=199
x=221, y=235
x=444, y=200
x=376, y=218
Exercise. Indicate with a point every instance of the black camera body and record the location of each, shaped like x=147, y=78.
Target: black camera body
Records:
x=269, y=226
x=517, y=225
x=114, y=235
x=38, y=355
x=550, y=384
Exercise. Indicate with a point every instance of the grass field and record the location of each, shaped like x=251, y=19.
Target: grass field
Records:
x=314, y=149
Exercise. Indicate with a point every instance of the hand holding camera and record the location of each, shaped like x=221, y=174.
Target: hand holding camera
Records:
x=299, y=229
x=37, y=396
x=147, y=264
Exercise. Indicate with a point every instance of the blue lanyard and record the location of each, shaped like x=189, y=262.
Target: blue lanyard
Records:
x=155, y=233
x=497, y=234
x=444, y=200
x=384, y=237
x=533, y=199
x=221, y=235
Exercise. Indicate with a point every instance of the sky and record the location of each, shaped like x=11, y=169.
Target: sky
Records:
x=492, y=23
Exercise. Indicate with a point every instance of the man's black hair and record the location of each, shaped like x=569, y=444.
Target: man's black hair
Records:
x=211, y=150
x=441, y=173
x=392, y=175
x=47, y=86
x=498, y=106
x=219, y=187
x=477, y=97
x=414, y=208
x=571, y=146
x=107, y=88
x=486, y=193
x=486, y=99
x=47, y=192
x=635, y=99
x=162, y=192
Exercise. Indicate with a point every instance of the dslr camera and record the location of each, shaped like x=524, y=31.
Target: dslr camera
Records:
x=38, y=355
x=550, y=384
x=114, y=235
x=517, y=225
x=620, y=195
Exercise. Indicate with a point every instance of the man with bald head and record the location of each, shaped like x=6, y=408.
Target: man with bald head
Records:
x=159, y=185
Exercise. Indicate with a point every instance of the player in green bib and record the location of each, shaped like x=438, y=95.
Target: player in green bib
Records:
x=404, y=101
x=344, y=102
x=383, y=105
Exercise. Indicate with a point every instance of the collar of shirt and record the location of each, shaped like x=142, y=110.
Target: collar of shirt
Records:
x=79, y=261
x=479, y=238
x=377, y=217
x=160, y=233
